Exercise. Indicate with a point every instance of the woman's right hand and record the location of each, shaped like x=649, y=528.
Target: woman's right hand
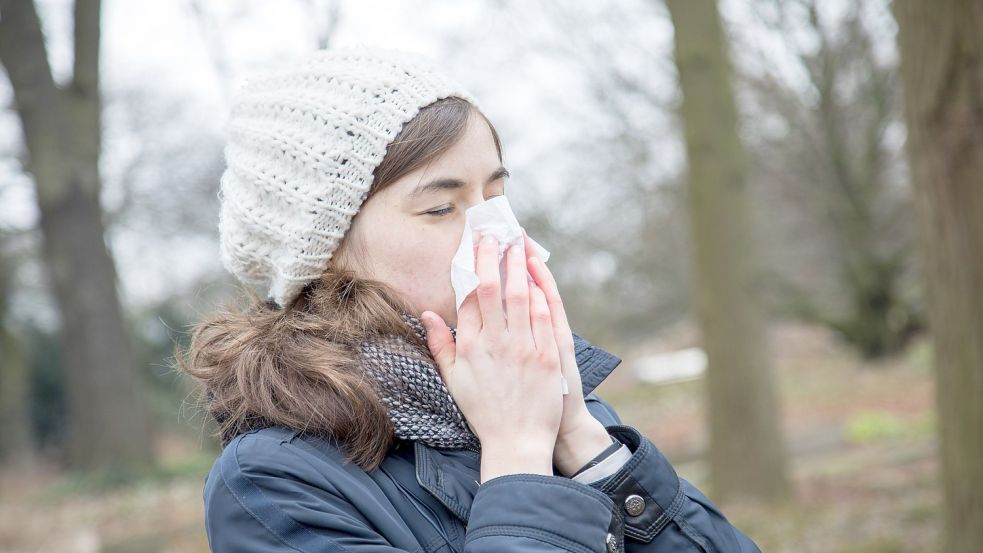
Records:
x=504, y=374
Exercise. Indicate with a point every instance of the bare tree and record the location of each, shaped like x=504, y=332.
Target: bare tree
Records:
x=62, y=131
x=747, y=454
x=595, y=159
x=942, y=75
x=837, y=170
x=14, y=414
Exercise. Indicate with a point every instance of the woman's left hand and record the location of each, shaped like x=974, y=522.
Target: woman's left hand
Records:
x=581, y=436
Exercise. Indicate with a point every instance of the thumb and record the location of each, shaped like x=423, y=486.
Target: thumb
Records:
x=441, y=343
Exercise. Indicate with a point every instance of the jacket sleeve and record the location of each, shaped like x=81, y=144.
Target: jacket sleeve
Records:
x=659, y=511
x=261, y=497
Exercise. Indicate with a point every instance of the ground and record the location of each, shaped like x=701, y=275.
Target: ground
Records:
x=861, y=437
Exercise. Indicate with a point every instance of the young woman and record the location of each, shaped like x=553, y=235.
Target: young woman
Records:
x=359, y=410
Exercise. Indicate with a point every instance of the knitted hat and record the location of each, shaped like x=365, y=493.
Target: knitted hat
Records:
x=303, y=142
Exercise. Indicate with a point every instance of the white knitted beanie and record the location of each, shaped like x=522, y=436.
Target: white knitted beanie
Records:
x=303, y=142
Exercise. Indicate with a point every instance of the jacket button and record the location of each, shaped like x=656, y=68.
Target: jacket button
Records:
x=634, y=505
x=612, y=543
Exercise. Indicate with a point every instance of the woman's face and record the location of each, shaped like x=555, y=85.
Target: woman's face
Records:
x=410, y=230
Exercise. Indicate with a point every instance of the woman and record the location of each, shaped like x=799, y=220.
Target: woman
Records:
x=359, y=410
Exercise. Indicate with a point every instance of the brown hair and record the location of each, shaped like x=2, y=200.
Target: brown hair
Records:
x=299, y=366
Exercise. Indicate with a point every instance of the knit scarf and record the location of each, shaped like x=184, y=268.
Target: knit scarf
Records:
x=420, y=405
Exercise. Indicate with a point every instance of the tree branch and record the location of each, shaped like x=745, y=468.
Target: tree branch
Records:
x=23, y=55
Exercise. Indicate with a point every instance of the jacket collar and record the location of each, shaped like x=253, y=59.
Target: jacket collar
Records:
x=454, y=483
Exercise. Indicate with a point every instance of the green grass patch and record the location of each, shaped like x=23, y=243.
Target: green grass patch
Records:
x=873, y=426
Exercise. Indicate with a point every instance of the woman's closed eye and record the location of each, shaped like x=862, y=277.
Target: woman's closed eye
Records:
x=447, y=210
x=440, y=212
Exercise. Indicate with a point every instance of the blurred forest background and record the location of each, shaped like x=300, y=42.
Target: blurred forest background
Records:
x=772, y=211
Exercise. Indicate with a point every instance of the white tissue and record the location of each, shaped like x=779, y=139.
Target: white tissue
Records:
x=493, y=217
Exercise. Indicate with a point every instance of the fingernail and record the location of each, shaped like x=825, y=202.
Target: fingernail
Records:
x=427, y=323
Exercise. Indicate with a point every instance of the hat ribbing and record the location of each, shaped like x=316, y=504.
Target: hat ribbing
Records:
x=303, y=142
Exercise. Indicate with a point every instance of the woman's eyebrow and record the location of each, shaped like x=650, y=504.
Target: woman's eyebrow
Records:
x=449, y=184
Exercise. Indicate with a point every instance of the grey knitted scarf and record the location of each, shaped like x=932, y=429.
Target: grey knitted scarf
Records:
x=420, y=406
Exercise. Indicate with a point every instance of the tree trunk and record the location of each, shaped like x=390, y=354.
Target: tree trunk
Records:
x=15, y=427
x=941, y=47
x=15, y=420
x=747, y=455
x=108, y=420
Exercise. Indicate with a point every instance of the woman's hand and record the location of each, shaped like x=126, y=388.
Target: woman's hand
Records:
x=503, y=374
x=581, y=436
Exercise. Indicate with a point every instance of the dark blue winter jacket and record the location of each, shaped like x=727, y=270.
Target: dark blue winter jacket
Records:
x=277, y=490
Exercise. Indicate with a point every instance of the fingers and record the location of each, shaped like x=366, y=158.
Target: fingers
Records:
x=542, y=326
x=527, y=242
x=544, y=279
x=561, y=326
x=517, y=294
x=441, y=343
x=468, y=317
x=489, y=289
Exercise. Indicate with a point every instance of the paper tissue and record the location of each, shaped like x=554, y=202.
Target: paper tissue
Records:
x=493, y=217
